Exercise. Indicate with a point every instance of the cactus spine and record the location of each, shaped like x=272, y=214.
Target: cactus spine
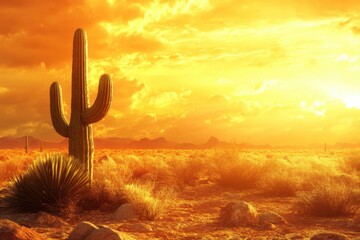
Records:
x=79, y=129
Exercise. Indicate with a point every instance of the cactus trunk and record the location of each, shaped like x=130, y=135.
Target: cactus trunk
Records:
x=79, y=130
x=81, y=145
x=27, y=144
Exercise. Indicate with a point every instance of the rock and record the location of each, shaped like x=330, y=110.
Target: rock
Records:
x=106, y=159
x=10, y=230
x=124, y=212
x=136, y=227
x=238, y=214
x=45, y=219
x=82, y=230
x=328, y=236
x=268, y=226
x=89, y=231
x=271, y=217
x=106, y=233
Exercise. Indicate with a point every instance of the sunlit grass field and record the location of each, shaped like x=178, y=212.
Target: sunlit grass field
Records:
x=185, y=189
x=324, y=183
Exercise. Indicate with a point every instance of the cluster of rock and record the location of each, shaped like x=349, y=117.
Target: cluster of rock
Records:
x=243, y=214
x=89, y=231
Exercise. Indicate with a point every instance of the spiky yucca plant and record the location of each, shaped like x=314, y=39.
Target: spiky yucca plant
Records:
x=51, y=183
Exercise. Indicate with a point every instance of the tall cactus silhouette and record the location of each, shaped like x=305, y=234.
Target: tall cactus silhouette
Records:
x=79, y=129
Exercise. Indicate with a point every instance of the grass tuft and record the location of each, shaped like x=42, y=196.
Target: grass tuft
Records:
x=330, y=199
x=147, y=203
x=238, y=171
x=50, y=184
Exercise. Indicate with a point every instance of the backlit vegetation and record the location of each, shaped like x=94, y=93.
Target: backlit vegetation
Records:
x=330, y=199
x=52, y=183
x=152, y=179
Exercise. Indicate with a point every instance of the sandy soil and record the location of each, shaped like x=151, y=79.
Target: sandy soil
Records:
x=195, y=217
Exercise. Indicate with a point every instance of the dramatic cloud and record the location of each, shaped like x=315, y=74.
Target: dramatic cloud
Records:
x=279, y=72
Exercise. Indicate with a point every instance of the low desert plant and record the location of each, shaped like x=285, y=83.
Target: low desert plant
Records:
x=147, y=203
x=280, y=185
x=52, y=183
x=106, y=191
x=237, y=171
x=330, y=199
x=187, y=171
x=352, y=163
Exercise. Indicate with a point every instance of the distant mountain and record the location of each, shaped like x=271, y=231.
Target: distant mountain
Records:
x=146, y=143
x=33, y=143
x=112, y=143
x=157, y=143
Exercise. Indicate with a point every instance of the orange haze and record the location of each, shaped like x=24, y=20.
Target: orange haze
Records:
x=277, y=72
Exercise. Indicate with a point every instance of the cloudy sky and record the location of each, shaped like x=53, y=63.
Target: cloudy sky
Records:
x=276, y=72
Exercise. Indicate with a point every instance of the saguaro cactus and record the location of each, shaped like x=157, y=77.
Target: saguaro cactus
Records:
x=79, y=130
x=27, y=144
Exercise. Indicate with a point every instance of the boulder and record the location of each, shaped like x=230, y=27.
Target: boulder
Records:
x=106, y=159
x=238, y=214
x=82, y=230
x=106, y=233
x=268, y=226
x=271, y=217
x=10, y=230
x=124, y=212
x=328, y=236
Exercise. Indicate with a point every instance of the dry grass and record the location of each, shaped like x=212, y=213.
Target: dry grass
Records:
x=149, y=204
x=107, y=189
x=352, y=162
x=237, y=170
x=330, y=199
x=280, y=185
x=186, y=172
x=146, y=177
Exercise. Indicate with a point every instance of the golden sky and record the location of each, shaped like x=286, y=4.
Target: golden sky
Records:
x=264, y=72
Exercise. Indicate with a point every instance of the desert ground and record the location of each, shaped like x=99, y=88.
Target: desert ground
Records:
x=179, y=194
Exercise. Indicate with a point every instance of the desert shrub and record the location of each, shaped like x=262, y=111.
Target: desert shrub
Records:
x=51, y=184
x=279, y=185
x=330, y=199
x=149, y=204
x=238, y=170
x=8, y=170
x=106, y=191
x=352, y=162
x=186, y=171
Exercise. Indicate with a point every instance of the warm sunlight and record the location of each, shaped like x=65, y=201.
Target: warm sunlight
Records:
x=180, y=119
x=282, y=73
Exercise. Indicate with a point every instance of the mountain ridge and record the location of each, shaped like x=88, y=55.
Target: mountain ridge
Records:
x=156, y=143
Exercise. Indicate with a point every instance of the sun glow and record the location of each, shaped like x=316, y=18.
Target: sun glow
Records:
x=260, y=72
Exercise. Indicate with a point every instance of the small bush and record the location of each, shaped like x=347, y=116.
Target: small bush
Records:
x=280, y=185
x=148, y=204
x=330, y=199
x=106, y=192
x=236, y=171
x=187, y=171
x=352, y=162
x=51, y=183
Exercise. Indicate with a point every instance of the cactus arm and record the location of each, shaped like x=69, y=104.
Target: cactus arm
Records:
x=102, y=102
x=58, y=119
